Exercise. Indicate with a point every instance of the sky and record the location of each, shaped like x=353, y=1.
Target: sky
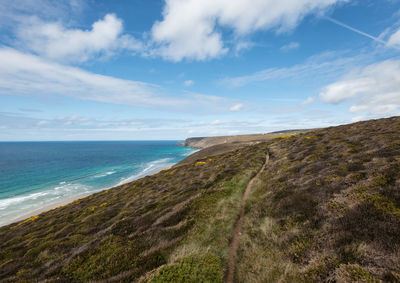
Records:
x=172, y=69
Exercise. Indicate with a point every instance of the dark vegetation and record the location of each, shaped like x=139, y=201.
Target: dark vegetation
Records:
x=326, y=209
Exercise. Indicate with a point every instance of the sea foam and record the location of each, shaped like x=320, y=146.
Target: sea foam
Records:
x=12, y=209
x=45, y=175
x=149, y=168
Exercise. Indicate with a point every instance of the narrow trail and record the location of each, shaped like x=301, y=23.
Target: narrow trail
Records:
x=233, y=247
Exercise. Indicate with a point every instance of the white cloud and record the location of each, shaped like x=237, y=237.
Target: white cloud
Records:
x=309, y=100
x=30, y=75
x=74, y=122
x=217, y=122
x=190, y=29
x=14, y=12
x=42, y=123
x=243, y=45
x=188, y=83
x=394, y=39
x=23, y=74
x=290, y=46
x=54, y=41
x=236, y=107
x=374, y=89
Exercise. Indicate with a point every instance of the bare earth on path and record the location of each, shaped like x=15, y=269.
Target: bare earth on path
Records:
x=232, y=254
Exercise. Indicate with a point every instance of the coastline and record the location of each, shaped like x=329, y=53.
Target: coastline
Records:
x=68, y=200
x=200, y=147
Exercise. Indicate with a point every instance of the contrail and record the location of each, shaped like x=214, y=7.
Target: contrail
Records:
x=356, y=30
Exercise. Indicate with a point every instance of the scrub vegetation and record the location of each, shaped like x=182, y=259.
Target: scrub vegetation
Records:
x=171, y=226
x=326, y=208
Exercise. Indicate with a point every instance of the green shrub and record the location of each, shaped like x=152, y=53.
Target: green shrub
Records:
x=206, y=268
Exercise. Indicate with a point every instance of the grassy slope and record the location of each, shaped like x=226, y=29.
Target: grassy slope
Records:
x=327, y=207
x=206, y=142
x=179, y=219
x=212, y=146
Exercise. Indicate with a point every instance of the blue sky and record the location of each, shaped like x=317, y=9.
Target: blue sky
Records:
x=171, y=69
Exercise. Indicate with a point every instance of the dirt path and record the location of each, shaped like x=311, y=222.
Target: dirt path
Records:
x=232, y=254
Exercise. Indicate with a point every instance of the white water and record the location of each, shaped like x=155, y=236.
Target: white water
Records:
x=151, y=168
x=20, y=207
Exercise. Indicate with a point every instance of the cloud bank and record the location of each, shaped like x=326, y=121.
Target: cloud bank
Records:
x=29, y=75
x=25, y=74
x=191, y=29
x=374, y=89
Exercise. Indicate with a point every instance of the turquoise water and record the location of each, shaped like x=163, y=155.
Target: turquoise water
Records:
x=38, y=175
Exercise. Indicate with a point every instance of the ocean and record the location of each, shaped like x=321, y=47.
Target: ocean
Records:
x=35, y=176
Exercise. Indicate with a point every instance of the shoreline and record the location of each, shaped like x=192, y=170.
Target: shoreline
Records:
x=196, y=152
x=71, y=199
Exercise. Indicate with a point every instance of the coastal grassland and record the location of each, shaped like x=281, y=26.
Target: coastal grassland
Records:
x=227, y=142
x=212, y=146
x=202, y=255
x=327, y=208
x=171, y=226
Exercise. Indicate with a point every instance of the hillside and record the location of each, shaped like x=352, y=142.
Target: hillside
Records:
x=323, y=206
x=327, y=208
x=211, y=146
x=204, y=142
x=179, y=216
